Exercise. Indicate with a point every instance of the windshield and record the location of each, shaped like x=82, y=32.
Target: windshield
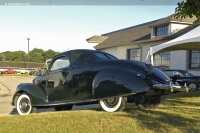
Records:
x=189, y=74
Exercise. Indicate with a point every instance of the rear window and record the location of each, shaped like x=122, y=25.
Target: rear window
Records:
x=105, y=56
x=189, y=74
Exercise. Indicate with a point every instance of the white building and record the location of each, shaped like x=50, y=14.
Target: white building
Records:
x=133, y=43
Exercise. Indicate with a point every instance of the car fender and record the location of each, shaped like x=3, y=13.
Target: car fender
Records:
x=37, y=93
x=119, y=81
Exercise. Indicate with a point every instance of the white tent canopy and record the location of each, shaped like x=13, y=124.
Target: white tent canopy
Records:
x=188, y=41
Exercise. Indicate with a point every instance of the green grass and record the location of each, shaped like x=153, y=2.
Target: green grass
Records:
x=177, y=113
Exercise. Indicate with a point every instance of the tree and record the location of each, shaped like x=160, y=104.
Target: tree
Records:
x=36, y=55
x=49, y=54
x=16, y=56
x=188, y=8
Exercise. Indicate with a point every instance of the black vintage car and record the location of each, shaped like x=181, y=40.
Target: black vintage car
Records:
x=81, y=77
x=184, y=77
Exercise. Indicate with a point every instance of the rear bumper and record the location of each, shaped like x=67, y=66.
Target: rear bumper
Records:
x=170, y=88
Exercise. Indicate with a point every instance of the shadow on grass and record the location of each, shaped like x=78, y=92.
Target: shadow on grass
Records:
x=183, y=95
x=166, y=119
x=179, y=102
x=82, y=107
x=174, y=114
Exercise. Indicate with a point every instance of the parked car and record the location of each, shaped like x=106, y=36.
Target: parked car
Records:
x=38, y=71
x=33, y=72
x=10, y=71
x=79, y=77
x=184, y=77
x=1, y=72
x=24, y=71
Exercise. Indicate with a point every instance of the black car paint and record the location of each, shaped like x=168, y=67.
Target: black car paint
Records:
x=184, y=78
x=90, y=78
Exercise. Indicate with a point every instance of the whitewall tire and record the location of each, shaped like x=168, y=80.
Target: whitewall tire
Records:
x=193, y=86
x=113, y=104
x=24, y=105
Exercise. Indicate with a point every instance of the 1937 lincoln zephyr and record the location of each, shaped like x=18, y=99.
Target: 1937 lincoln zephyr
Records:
x=79, y=77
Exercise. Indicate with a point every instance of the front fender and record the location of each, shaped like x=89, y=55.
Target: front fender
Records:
x=37, y=93
x=119, y=81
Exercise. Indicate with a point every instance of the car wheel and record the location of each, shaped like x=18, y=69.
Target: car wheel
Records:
x=62, y=108
x=113, y=104
x=6, y=72
x=24, y=105
x=193, y=86
x=15, y=72
x=147, y=102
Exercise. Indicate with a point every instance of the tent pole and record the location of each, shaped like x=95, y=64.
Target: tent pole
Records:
x=152, y=63
x=147, y=56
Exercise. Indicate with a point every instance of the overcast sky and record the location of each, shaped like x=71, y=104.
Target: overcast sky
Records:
x=67, y=27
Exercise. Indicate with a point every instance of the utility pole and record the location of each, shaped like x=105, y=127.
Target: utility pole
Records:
x=28, y=52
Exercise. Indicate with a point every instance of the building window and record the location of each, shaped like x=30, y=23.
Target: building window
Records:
x=162, y=30
x=162, y=60
x=194, y=59
x=134, y=54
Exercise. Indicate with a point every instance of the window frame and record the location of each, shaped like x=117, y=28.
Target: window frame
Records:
x=160, y=61
x=134, y=57
x=59, y=68
x=195, y=60
x=161, y=30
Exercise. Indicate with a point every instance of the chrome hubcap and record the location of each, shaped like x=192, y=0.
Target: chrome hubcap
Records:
x=111, y=102
x=25, y=105
x=192, y=86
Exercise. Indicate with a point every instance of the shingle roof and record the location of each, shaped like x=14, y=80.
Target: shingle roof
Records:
x=96, y=39
x=139, y=33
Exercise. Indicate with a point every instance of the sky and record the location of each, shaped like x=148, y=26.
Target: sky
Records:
x=67, y=27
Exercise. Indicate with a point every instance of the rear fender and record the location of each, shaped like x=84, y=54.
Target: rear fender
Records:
x=119, y=81
x=37, y=93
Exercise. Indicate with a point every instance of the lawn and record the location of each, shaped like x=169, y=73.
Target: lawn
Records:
x=177, y=113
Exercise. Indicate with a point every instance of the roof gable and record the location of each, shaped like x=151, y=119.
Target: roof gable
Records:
x=137, y=34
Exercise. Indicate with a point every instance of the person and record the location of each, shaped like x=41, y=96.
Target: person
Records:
x=39, y=71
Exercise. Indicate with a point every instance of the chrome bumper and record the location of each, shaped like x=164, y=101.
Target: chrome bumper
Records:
x=171, y=87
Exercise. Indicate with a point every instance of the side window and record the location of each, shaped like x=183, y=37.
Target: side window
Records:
x=169, y=73
x=60, y=63
x=178, y=73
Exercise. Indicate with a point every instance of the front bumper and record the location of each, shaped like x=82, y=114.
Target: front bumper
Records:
x=170, y=87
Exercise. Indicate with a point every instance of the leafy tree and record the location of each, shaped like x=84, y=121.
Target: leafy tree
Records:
x=188, y=8
x=36, y=55
x=49, y=54
x=15, y=56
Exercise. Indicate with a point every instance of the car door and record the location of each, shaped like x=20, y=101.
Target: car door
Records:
x=82, y=82
x=58, y=80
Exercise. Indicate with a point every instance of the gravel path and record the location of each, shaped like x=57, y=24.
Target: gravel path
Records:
x=8, y=86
